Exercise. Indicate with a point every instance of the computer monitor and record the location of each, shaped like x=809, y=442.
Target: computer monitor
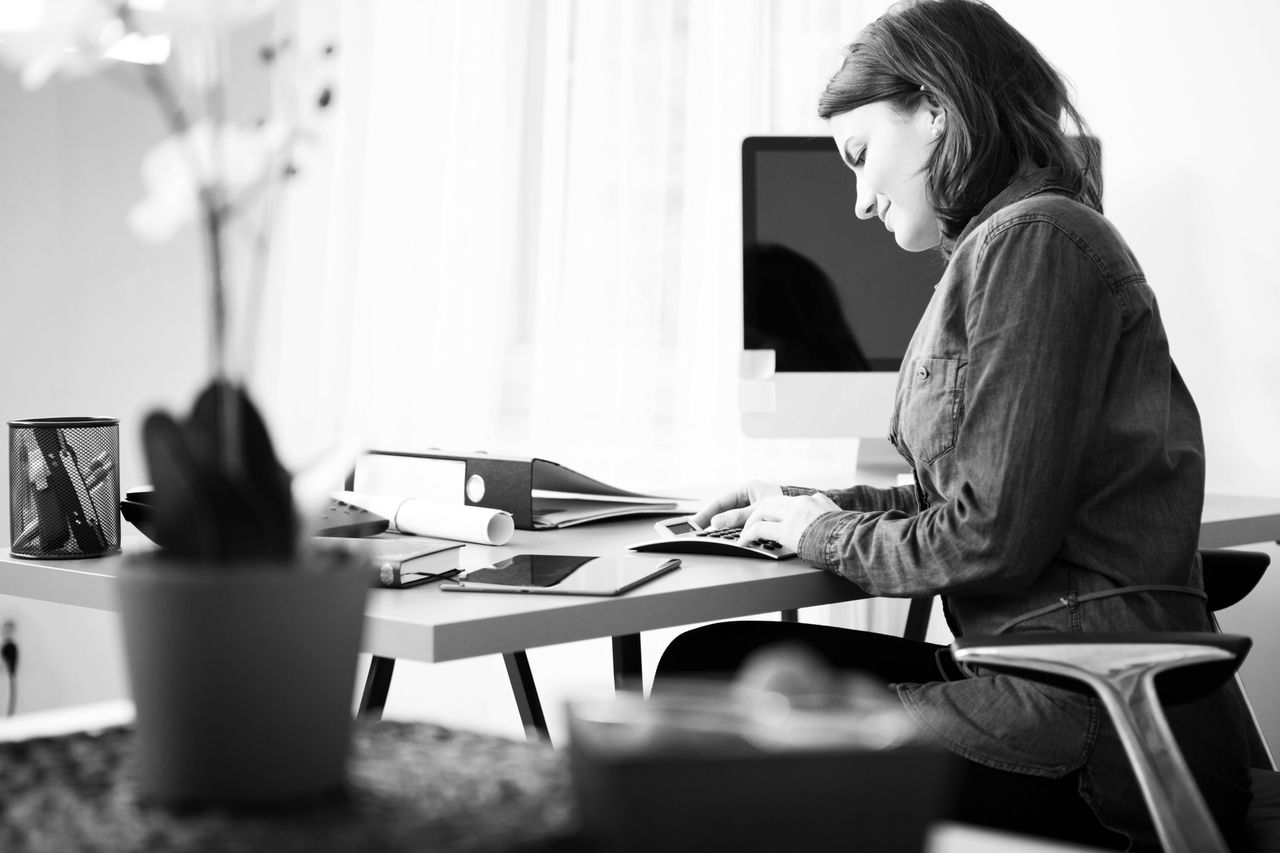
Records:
x=829, y=300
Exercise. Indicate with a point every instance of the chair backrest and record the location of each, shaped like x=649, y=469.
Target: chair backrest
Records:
x=1228, y=577
x=1231, y=575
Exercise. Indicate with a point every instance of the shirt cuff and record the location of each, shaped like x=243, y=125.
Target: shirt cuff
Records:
x=816, y=545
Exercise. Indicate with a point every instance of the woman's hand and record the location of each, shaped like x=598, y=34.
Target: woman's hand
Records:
x=732, y=508
x=783, y=518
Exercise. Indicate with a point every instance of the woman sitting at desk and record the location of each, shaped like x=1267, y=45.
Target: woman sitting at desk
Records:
x=1058, y=458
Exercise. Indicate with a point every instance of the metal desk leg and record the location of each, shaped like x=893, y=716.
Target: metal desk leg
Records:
x=526, y=693
x=376, y=685
x=626, y=662
x=918, y=618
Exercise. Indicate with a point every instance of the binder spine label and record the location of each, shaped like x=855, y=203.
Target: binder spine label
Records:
x=406, y=476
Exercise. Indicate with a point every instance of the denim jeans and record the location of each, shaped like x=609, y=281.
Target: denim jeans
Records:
x=981, y=795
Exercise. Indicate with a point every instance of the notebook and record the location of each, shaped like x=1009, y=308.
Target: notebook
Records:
x=401, y=561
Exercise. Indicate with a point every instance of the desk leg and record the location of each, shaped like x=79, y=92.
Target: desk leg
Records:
x=526, y=693
x=918, y=618
x=376, y=685
x=791, y=615
x=626, y=662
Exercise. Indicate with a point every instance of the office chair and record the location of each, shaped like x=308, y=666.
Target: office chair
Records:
x=1122, y=669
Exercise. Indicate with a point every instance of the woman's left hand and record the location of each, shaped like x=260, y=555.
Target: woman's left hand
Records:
x=783, y=518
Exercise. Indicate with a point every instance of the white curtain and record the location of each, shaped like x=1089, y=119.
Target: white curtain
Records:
x=522, y=232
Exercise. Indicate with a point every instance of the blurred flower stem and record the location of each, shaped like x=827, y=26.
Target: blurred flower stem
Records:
x=211, y=170
x=213, y=221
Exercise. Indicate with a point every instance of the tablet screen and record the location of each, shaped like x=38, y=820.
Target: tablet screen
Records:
x=559, y=574
x=535, y=570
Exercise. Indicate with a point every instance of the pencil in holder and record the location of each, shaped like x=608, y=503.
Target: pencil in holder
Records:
x=64, y=487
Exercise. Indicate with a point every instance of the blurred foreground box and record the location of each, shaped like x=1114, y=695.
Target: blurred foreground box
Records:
x=731, y=770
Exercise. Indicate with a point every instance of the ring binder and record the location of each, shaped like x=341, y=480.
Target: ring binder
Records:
x=538, y=493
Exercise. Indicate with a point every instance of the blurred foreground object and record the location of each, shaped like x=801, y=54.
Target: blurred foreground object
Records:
x=241, y=645
x=788, y=757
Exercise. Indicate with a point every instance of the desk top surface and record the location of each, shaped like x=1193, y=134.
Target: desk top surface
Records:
x=428, y=624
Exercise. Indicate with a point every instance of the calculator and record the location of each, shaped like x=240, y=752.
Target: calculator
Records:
x=682, y=536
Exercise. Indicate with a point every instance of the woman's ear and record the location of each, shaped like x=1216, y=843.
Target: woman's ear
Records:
x=930, y=109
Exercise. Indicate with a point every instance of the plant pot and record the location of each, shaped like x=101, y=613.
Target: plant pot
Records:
x=243, y=675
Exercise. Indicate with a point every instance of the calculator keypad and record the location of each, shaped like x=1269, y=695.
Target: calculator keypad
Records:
x=724, y=541
x=733, y=532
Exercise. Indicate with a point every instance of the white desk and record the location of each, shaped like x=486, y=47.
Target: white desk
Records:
x=1238, y=520
x=429, y=625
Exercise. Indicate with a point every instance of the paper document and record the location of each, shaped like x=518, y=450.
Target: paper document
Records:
x=565, y=512
x=442, y=520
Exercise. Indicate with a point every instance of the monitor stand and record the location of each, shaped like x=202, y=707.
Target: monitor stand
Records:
x=879, y=462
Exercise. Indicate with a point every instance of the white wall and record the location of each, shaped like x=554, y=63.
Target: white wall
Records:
x=94, y=323
x=91, y=324
x=1182, y=95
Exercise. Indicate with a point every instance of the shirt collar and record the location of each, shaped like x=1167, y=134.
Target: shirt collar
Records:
x=1035, y=182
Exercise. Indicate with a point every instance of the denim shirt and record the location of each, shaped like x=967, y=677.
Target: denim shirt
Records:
x=1059, y=479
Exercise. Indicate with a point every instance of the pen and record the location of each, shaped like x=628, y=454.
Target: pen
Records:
x=100, y=469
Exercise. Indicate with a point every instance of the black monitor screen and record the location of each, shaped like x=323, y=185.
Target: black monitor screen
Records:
x=823, y=289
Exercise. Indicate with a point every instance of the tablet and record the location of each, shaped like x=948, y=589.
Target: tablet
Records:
x=558, y=574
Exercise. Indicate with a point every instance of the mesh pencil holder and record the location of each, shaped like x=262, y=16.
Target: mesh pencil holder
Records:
x=64, y=487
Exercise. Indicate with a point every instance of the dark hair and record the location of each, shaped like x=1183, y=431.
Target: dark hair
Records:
x=1004, y=103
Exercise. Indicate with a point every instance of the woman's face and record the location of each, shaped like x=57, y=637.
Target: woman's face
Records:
x=887, y=152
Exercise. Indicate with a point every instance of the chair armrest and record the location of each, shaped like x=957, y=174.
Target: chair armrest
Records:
x=1132, y=674
x=1039, y=656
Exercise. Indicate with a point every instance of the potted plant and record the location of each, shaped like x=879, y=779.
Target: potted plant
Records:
x=240, y=642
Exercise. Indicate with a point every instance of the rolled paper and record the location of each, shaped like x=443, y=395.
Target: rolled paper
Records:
x=419, y=517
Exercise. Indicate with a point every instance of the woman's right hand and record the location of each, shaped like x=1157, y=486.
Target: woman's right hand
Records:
x=732, y=509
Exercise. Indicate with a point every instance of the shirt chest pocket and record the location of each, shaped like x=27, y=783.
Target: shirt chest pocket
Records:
x=931, y=406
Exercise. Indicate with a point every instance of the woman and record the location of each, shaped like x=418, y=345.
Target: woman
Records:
x=1058, y=459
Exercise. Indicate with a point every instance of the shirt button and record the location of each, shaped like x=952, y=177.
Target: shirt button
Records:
x=923, y=373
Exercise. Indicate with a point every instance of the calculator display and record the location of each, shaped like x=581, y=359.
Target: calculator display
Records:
x=681, y=527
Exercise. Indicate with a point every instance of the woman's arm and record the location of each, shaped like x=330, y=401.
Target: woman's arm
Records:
x=866, y=498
